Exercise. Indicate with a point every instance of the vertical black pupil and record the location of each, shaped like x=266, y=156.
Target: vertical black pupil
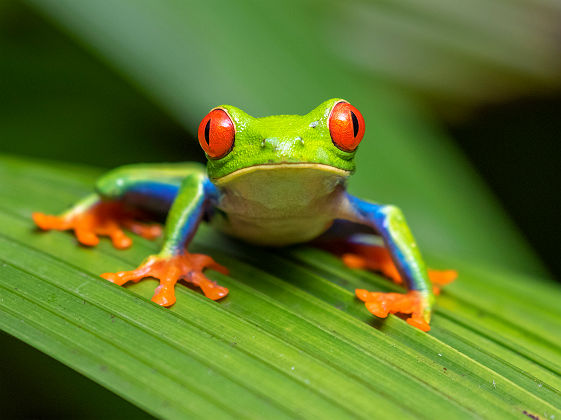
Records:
x=355, y=123
x=207, y=131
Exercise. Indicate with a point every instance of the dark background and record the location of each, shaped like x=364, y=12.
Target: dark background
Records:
x=515, y=147
x=44, y=75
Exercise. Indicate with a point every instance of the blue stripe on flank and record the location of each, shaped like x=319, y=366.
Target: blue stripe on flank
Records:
x=156, y=190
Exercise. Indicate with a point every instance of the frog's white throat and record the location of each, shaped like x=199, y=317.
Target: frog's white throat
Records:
x=281, y=204
x=282, y=186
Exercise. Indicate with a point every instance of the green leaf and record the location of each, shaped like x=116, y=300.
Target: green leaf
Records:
x=290, y=340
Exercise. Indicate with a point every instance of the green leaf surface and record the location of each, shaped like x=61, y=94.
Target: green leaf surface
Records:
x=289, y=341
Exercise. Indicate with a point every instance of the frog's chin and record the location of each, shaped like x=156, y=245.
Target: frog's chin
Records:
x=284, y=167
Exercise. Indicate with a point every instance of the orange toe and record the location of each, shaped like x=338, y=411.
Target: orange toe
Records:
x=85, y=236
x=362, y=294
x=210, y=289
x=119, y=239
x=113, y=278
x=48, y=222
x=379, y=309
x=442, y=277
x=164, y=296
x=419, y=323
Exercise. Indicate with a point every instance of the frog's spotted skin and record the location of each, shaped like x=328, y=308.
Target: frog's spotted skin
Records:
x=272, y=181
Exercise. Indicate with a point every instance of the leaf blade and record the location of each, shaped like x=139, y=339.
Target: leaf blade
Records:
x=289, y=307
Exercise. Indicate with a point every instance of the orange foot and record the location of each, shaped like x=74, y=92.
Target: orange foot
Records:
x=104, y=218
x=169, y=270
x=382, y=304
x=377, y=258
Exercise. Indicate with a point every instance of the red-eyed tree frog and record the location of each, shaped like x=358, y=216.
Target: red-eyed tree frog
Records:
x=270, y=181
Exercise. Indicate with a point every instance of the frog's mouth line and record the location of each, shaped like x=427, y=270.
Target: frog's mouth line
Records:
x=279, y=167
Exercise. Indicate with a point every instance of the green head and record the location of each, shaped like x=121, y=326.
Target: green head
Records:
x=234, y=140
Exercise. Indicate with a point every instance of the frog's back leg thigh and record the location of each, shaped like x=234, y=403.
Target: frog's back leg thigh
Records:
x=354, y=243
x=150, y=187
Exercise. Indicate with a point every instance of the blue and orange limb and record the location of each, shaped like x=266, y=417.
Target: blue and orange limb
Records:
x=117, y=201
x=400, y=246
x=109, y=211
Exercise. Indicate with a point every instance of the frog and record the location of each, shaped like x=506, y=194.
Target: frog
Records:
x=272, y=181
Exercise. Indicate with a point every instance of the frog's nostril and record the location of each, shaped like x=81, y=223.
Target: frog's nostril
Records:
x=270, y=143
x=299, y=140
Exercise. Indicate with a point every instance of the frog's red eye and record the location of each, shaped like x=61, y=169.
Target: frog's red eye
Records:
x=216, y=133
x=346, y=126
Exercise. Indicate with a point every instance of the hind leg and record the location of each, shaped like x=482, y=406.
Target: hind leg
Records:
x=377, y=258
x=120, y=200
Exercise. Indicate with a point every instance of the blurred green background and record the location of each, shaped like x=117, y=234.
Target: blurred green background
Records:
x=461, y=102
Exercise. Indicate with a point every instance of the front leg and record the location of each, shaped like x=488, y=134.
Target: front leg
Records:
x=196, y=196
x=389, y=223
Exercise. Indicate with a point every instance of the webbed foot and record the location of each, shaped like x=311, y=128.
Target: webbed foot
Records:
x=100, y=218
x=377, y=258
x=168, y=270
x=412, y=302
